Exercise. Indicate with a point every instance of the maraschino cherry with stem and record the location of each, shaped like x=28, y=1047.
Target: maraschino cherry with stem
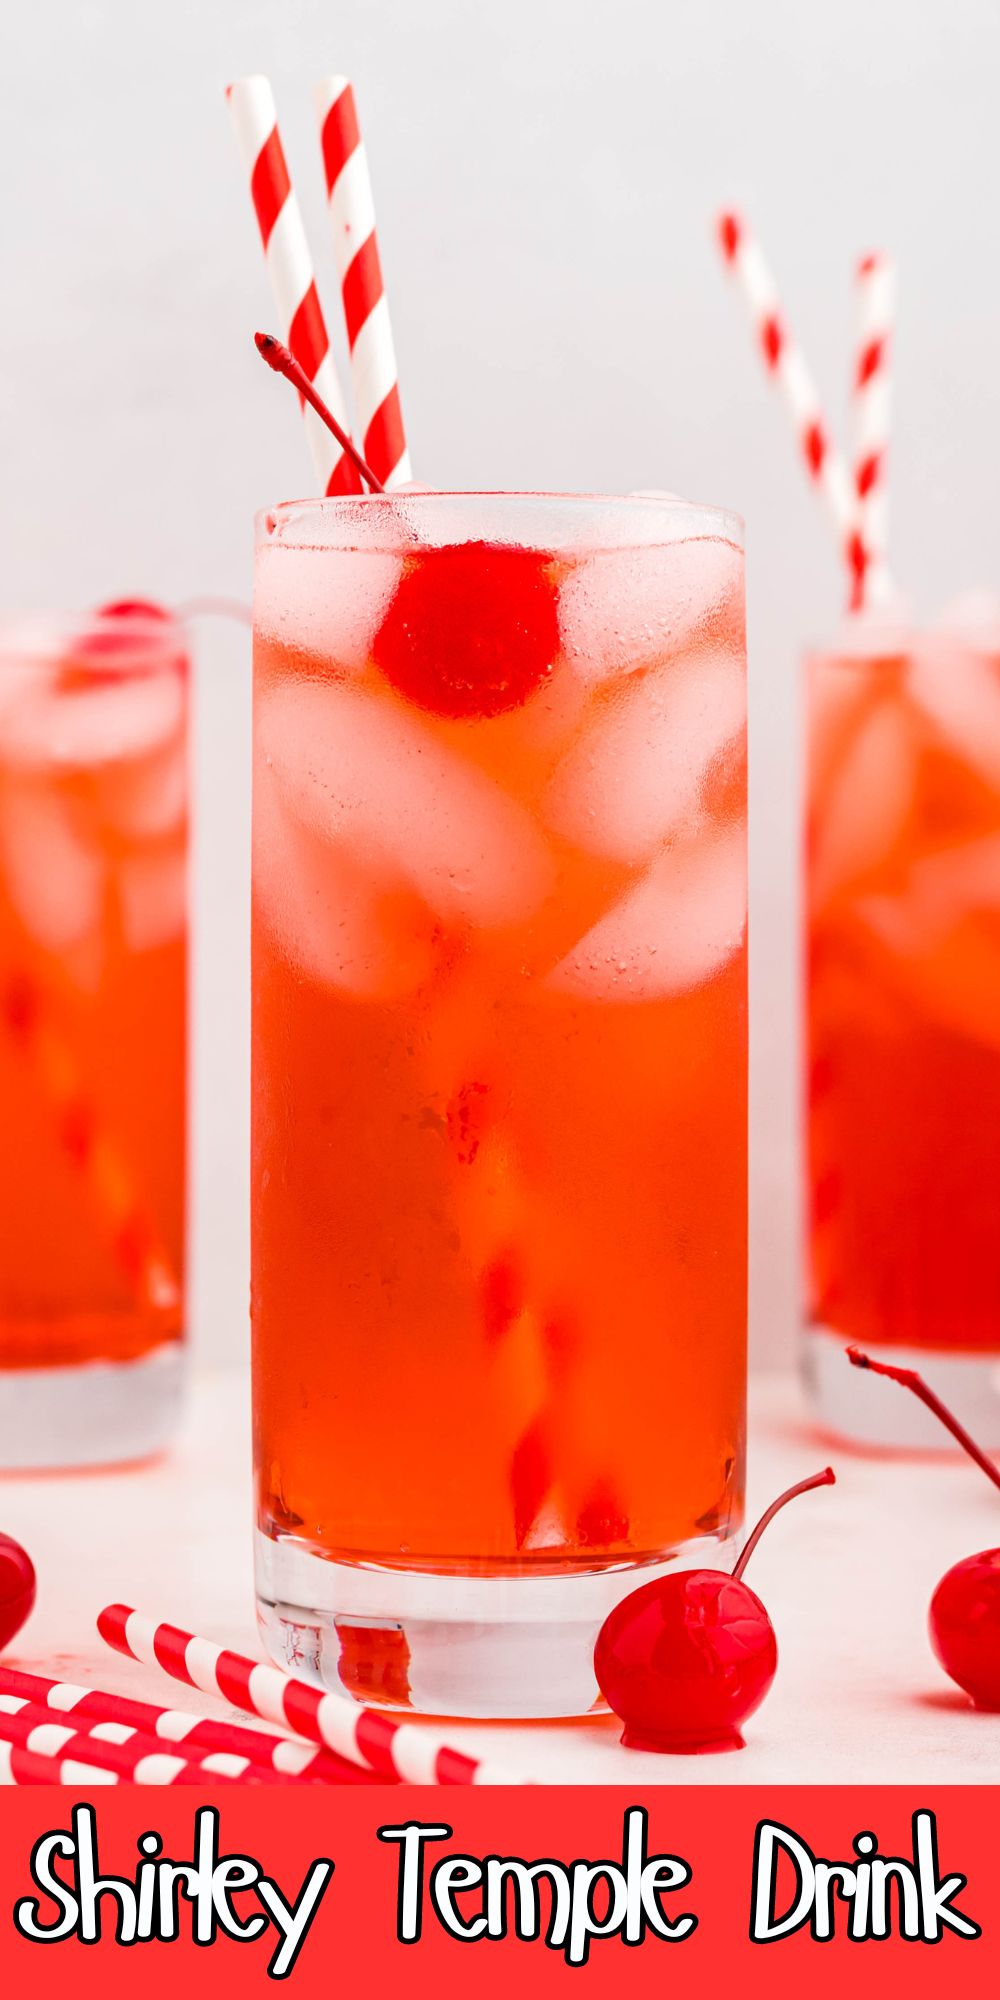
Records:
x=472, y=629
x=17, y=1588
x=687, y=1658
x=964, y=1615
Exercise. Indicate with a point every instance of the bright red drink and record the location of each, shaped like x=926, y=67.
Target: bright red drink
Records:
x=93, y=956
x=904, y=1024
x=498, y=1080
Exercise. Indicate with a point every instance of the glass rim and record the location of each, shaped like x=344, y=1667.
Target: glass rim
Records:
x=357, y=523
x=48, y=637
x=877, y=651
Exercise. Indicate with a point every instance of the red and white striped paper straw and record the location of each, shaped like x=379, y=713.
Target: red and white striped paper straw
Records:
x=366, y=310
x=396, y=1750
x=199, y=1734
x=27, y=1767
x=872, y=403
x=133, y=1758
x=784, y=360
x=290, y=270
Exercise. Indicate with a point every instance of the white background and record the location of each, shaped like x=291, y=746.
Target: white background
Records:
x=545, y=172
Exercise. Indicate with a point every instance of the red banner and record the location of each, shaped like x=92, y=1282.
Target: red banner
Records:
x=792, y=1890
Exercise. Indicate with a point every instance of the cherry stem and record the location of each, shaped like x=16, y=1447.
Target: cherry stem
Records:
x=825, y=1478
x=284, y=363
x=909, y=1379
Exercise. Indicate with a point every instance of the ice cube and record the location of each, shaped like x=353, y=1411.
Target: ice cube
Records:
x=637, y=772
x=858, y=819
x=957, y=688
x=146, y=798
x=974, y=618
x=79, y=728
x=941, y=931
x=882, y=631
x=372, y=780
x=54, y=878
x=671, y=932
x=20, y=682
x=335, y=919
x=623, y=609
x=325, y=602
x=152, y=888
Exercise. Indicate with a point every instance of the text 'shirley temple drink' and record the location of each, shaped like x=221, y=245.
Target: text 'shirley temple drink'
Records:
x=93, y=952
x=904, y=1021
x=499, y=1099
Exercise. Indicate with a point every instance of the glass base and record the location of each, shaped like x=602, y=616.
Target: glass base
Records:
x=102, y=1413
x=477, y=1647
x=865, y=1409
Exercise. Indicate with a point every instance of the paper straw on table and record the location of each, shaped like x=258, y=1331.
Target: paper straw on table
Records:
x=291, y=272
x=875, y=295
x=102, y=1169
x=128, y=1756
x=26, y=1767
x=199, y=1734
x=366, y=309
x=784, y=360
x=29, y=1767
x=407, y=1751
x=37, y=1727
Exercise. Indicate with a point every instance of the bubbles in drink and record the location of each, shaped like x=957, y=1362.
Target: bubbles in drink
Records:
x=674, y=930
x=626, y=609
x=549, y=1531
x=637, y=772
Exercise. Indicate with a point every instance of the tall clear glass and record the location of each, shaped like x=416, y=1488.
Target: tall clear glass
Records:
x=904, y=1027
x=93, y=969
x=499, y=1098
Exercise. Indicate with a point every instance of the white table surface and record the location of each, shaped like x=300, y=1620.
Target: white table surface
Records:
x=846, y=1573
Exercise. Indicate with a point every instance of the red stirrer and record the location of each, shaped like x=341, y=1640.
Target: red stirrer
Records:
x=279, y=357
x=909, y=1379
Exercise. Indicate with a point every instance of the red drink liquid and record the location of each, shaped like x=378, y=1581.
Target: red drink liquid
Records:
x=93, y=949
x=499, y=1084
x=904, y=1025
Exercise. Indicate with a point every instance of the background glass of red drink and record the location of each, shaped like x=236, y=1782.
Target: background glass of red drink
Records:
x=93, y=975
x=903, y=887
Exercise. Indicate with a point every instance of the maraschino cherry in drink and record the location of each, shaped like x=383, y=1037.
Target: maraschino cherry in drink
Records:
x=93, y=953
x=499, y=1107
x=904, y=1021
